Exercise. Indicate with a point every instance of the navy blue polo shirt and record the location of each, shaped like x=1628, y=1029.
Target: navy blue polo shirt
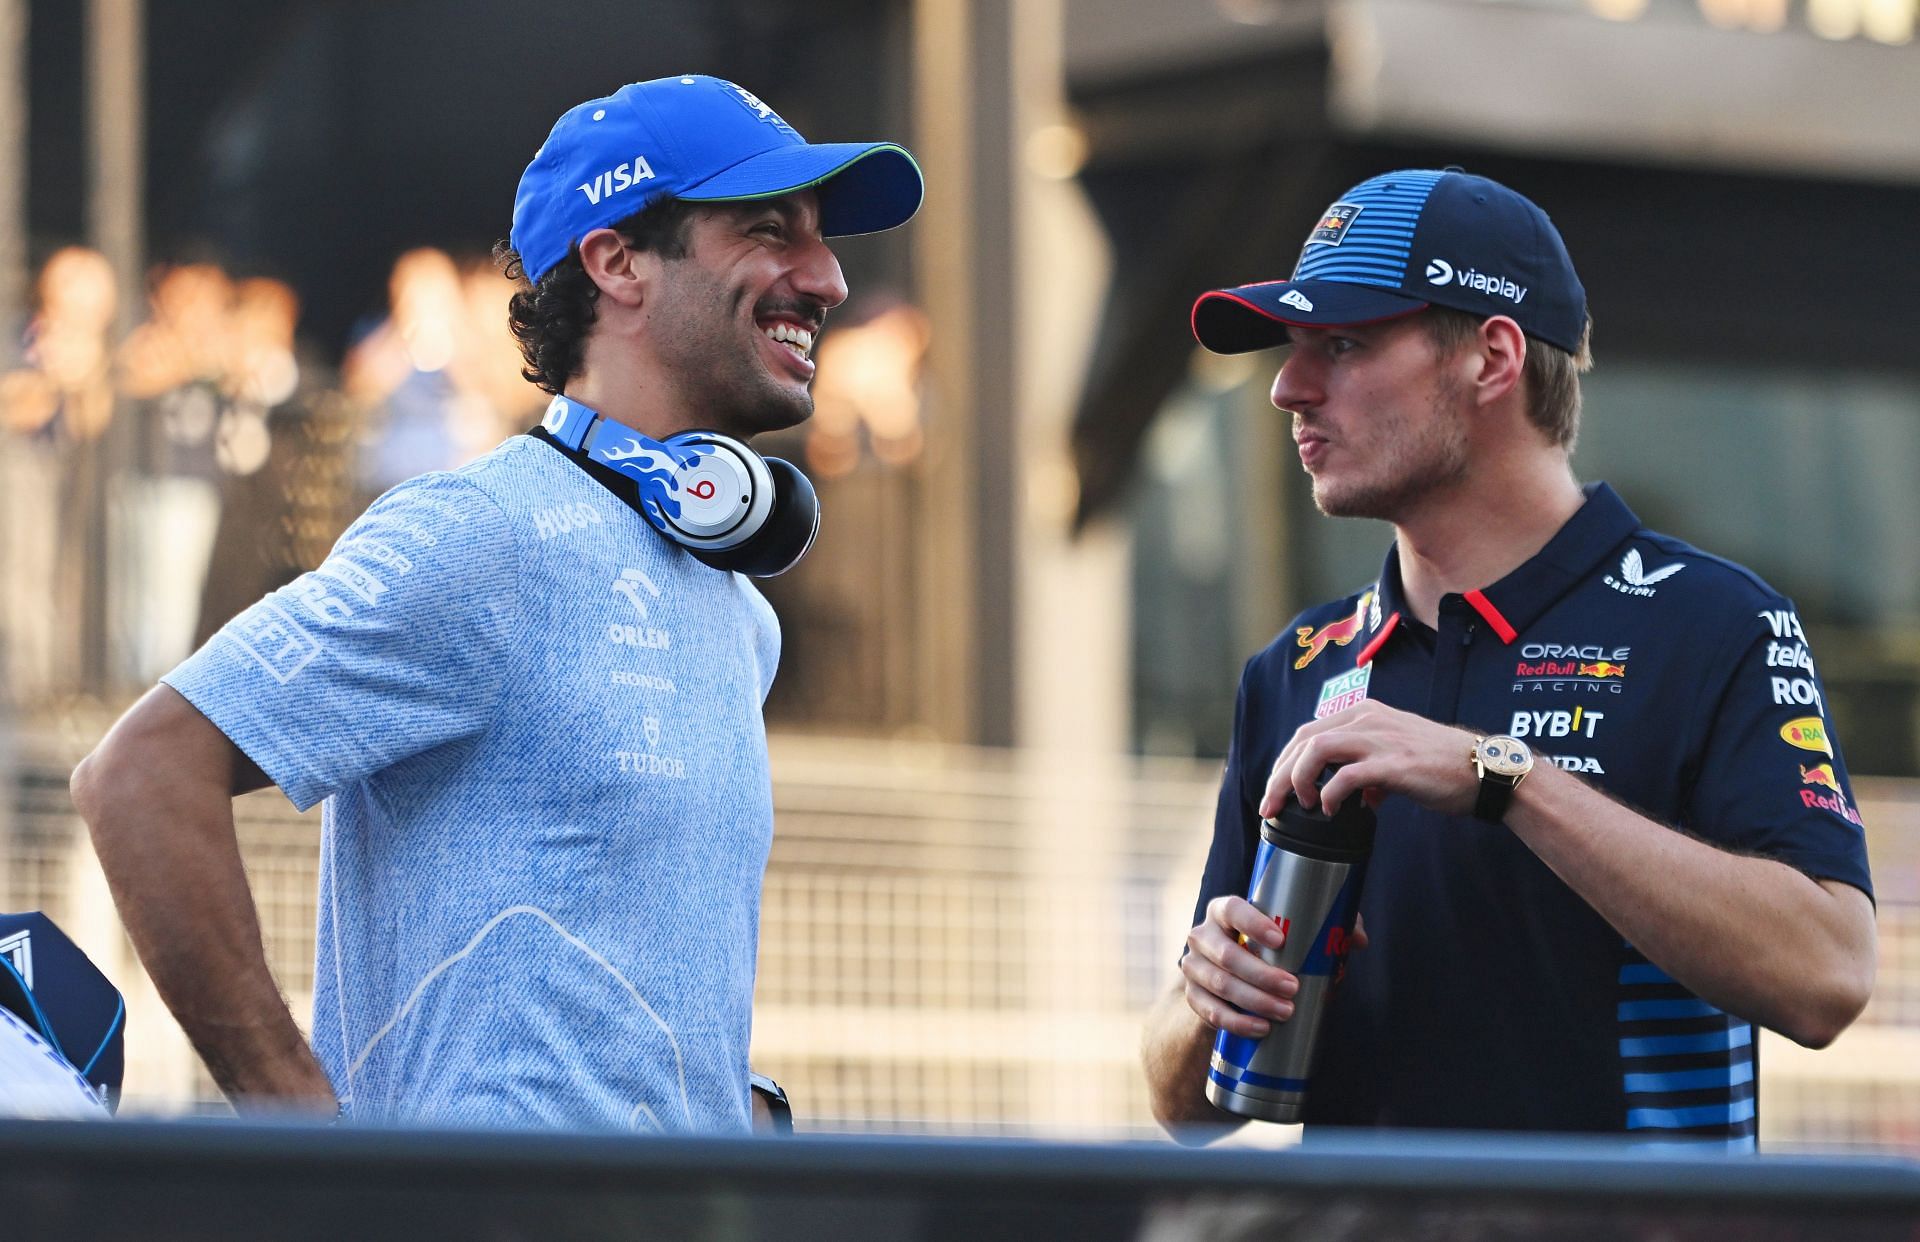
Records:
x=1491, y=996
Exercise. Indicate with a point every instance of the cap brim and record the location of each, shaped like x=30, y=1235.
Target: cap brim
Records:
x=864, y=187
x=1234, y=321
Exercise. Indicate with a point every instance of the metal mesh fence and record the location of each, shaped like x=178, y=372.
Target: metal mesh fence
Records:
x=953, y=940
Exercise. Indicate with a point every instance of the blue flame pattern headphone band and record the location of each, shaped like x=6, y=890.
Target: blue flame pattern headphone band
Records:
x=709, y=493
x=648, y=462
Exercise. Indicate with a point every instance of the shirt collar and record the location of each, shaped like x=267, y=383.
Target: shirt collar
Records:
x=1522, y=597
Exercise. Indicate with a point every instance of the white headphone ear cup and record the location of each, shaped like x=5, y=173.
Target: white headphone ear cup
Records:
x=786, y=534
x=724, y=497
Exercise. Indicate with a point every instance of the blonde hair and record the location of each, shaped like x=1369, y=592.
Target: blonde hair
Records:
x=1552, y=374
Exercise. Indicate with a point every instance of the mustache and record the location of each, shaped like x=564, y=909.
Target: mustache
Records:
x=811, y=315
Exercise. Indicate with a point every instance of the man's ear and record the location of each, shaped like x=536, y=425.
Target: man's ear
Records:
x=1503, y=359
x=619, y=271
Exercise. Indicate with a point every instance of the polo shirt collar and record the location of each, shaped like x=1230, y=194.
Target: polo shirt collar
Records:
x=1515, y=602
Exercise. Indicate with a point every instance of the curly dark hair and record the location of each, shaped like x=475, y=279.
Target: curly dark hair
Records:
x=550, y=317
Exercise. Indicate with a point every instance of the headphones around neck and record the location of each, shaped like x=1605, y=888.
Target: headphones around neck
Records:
x=721, y=501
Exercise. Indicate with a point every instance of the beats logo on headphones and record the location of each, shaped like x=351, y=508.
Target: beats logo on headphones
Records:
x=724, y=503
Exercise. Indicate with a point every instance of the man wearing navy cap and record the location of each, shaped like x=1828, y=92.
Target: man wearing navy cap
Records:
x=529, y=690
x=1615, y=832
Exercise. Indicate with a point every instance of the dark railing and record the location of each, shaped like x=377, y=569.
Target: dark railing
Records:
x=148, y=1182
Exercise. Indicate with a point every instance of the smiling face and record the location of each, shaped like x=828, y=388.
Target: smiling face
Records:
x=1380, y=420
x=733, y=322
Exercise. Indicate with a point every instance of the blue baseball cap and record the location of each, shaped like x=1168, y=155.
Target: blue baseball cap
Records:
x=703, y=140
x=1401, y=242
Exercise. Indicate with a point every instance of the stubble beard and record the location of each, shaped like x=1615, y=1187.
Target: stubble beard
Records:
x=726, y=385
x=1412, y=466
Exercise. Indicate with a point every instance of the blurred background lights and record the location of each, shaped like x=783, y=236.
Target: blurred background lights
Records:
x=1617, y=10
x=869, y=381
x=1057, y=151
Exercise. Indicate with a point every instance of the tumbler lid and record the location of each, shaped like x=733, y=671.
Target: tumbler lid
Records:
x=1346, y=835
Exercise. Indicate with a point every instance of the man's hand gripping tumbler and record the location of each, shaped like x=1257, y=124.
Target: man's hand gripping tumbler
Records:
x=1306, y=877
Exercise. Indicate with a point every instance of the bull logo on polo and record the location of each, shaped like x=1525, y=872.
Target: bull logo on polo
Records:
x=1820, y=774
x=1334, y=633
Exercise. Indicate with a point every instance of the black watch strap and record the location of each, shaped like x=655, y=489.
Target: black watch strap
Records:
x=1495, y=796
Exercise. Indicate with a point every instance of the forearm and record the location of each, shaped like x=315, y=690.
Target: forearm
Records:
x=165, y=836
x=1750, y=935
x=1175, y=1047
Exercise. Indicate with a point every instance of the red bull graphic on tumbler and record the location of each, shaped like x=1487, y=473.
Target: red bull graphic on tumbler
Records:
x=1310, y=881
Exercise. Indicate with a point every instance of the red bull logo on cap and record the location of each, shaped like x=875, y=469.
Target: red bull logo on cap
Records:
x=1332, y=229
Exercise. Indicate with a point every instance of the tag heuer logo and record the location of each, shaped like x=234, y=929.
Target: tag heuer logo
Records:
x=1297, y=300
x=1346, y=690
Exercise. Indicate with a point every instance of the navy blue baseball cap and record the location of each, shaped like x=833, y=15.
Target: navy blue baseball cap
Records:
x=52, y=986
x=703, y=140
x=1399, y=243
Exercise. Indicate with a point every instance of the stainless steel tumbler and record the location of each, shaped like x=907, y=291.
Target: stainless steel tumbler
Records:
x=1307, y=876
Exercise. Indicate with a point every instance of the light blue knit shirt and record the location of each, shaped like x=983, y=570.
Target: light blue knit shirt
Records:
x=536, y=725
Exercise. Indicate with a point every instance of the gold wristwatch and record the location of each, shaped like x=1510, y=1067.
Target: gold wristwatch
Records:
x=1502, y=763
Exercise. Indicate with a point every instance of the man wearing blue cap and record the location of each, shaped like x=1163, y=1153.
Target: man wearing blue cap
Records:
x=1615, y=831
x=529, y=690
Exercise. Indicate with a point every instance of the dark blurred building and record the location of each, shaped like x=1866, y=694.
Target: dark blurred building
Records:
x=1736, y=189
x=1038, y=541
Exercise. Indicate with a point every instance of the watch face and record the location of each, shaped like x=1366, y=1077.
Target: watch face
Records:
x=1505, y=756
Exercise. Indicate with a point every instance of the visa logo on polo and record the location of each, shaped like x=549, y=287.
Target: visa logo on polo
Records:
x=619, y=177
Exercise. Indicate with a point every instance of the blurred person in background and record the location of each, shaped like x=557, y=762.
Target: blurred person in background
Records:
x=533, y=716
x=174, y=368
x=439, y=378
x=1581, y=939
x=400, y=374
x=488, y=365
x=216, y=386
x=271, y=467
x=55, y=411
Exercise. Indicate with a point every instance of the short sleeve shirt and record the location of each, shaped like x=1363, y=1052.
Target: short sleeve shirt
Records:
x=1491, y=996
x=536, y=728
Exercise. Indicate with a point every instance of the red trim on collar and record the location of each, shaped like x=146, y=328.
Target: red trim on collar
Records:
x=1379, y=640
x=1491, y=615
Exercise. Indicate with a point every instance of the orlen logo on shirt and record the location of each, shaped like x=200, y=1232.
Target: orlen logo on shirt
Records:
x=619, y=177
